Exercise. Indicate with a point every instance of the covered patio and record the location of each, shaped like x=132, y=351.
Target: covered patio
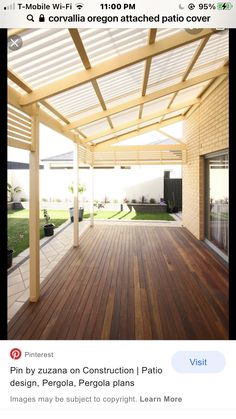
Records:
x=104, y=90
x=130, y=282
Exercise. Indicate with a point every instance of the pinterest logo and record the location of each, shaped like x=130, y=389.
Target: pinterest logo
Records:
x=15, y=353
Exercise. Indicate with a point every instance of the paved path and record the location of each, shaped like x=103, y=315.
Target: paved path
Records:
x=51, y=251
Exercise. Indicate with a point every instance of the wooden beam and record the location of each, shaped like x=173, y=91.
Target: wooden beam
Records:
x=23, y=129
x=206, y=92
x=18, y=136
x=85, y=60
x=127, y=148
x=151, y=40
x=171, y=137
x=34, y=225
x=44, y=117
x=192, y=64
x=158, y=161
x=136, y=133
x=141, y=121
x=92, y=192
x=74, y=33
x=12, y=32
x=76, y=195
x=114, y=64
x=23, y=85
x=12, y=142
x=19, y=81
x=148, y=98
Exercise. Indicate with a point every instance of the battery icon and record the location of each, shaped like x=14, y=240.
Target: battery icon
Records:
x=224, y=6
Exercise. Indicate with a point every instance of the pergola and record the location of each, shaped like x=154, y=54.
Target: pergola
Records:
x=100, y=87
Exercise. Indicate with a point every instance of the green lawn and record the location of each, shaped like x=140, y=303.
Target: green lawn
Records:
x=18, y=223
x=18, y=227
x=127, y=215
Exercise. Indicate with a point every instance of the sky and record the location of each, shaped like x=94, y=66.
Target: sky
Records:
x=52, y=143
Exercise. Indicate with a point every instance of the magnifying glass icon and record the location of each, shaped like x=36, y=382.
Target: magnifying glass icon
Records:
x=30, y=18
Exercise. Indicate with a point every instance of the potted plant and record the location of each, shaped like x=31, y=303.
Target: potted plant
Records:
x=9, y=258
x=48, y=227
x=81, y=190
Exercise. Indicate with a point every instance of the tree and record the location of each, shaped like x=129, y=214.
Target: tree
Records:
x=13, y=191
x=81, y=188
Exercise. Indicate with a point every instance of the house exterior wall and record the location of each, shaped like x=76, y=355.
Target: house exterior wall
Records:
x=205, y=131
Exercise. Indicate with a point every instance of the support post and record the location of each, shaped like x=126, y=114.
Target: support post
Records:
x=92, y=195
x=34, y=225
x=76, y=196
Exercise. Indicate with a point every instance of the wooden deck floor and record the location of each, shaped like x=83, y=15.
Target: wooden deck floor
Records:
x=130, y=282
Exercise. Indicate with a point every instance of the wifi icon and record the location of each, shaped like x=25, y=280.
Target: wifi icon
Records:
x=79, y=5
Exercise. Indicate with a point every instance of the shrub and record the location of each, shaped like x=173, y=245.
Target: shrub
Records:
x=152, y=201
x=133, y=201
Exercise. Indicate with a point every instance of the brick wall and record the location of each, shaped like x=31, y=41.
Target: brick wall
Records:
x=205, y=131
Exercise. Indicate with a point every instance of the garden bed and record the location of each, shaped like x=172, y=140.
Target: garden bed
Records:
x=148, y=208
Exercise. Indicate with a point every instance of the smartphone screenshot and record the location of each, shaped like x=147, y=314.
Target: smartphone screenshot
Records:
x=117, y=289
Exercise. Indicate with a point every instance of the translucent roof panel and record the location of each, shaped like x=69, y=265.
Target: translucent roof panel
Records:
x=75, y=100
x=171, y=81
x=52, y=52
x=189, y=93
x=121, y=100
x=95, y=127
x=144, y=139
x=152, y=121
x=156, y=105
x=164, y=33
x=104, y=44
x=171, y=64
x=125, y=116
x=214, y=53
x=176, y=113
x=100, y=140
x=124, y=82
x=77, y=115
x=15, y=86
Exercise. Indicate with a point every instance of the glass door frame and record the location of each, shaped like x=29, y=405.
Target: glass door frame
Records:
x=208, y=156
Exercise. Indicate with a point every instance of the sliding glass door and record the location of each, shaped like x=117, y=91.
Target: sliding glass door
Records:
x=217, y=202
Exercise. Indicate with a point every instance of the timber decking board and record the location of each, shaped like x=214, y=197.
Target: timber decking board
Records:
x=130, y=282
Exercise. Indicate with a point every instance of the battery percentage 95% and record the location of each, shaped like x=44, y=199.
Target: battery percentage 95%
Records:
x=207, y=6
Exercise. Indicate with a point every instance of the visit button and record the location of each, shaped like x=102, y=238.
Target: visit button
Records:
x=198, y=362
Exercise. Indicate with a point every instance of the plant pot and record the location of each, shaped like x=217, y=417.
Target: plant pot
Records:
x=49, y=229
x=9, y=258
x=80, y=212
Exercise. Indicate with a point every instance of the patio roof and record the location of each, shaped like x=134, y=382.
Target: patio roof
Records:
x=99, y=87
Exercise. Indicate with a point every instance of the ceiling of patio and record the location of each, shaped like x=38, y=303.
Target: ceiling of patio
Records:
x=106, y=86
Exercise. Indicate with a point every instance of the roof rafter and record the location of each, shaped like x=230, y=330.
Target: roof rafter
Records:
x=171, y=137
x=19, y=82
x=148, y=98
x=114, y=64
x=86, y=62
x=151, y=40
x=191, y=64
x=207, y=90
x=136, y=132
x=141, y=121
x=44, y=117
x=158, y=147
